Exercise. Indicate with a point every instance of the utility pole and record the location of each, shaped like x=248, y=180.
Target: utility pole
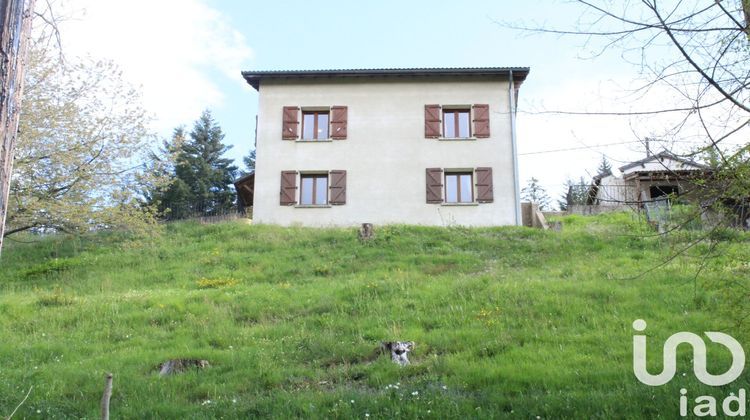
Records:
x=15, y=28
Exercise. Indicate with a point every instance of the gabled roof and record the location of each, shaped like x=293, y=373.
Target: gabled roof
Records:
x=663, y=155
x=254, y=77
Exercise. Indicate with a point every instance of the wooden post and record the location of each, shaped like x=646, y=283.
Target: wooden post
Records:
x=15, y=26
x=106, y=397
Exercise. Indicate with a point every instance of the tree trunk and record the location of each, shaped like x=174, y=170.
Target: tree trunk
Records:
x=15, y=25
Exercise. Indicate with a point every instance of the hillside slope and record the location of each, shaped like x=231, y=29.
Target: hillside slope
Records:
x=508, y=322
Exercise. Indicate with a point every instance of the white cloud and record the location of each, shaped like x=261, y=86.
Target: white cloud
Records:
x=175, y=50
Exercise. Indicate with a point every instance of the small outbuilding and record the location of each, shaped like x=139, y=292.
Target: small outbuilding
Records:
x=245, y=187
x=654, y=178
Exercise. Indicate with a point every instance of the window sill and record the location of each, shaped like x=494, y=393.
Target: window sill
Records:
x=314, y=141
x=312, y=206
x=457, y=139
x=460, y=204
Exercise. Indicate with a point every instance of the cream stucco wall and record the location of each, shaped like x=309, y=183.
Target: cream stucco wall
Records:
x=615, y=191
x=385, y=154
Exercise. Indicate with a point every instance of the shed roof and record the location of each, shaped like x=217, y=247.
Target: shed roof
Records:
x=245, y=187
x=662, y=155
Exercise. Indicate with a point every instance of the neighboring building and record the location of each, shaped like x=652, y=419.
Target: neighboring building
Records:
x=415, y=146
x=245, y=186
x=653, y=178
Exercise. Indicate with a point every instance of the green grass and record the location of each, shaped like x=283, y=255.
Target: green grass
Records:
x=508, y=322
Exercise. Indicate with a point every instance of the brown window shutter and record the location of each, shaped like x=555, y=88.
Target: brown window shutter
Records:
x=434, y=185
x=432, y=121
x=288, y=188
x=484, y=185
x=337, y=187
x=290, y=129
x=481, y=121
x=338, y=122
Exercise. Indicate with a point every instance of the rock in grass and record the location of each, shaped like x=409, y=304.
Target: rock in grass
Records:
x=180, y=365
x=398, y=351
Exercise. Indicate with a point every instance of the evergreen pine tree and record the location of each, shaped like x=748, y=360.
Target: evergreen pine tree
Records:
x=535, y=193
x=173, y=199
x=576, y=192
x=202, y=183
x=604, y=167
x=249, y=162
x=201, y=166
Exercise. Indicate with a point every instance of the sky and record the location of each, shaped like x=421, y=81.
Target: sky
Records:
x=186, y=56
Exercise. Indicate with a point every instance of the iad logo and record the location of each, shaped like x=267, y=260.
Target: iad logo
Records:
x=699, y=357
x=704, y=405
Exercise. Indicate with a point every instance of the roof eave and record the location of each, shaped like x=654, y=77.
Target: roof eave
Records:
x=664, y=154
x=253, y=78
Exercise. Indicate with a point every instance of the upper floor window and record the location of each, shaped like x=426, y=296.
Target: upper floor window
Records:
x=315, y=125
x=456, y=123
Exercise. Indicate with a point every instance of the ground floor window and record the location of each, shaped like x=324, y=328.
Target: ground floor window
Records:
x=459, y=187
x=314, y=189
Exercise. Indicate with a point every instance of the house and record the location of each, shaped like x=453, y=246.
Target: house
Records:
x=429, y=146
x=651, y=179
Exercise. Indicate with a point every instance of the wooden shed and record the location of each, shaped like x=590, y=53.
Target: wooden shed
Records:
x=245, y=187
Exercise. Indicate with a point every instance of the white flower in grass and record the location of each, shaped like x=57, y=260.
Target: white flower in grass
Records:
x=415, y=393
x=352, y=401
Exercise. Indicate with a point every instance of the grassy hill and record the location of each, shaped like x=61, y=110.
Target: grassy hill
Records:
x=508, y=322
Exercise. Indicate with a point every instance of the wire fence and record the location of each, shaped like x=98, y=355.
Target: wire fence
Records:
x=207, y=215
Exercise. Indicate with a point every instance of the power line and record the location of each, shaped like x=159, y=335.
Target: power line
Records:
x=577, y=148
x=608, y=144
